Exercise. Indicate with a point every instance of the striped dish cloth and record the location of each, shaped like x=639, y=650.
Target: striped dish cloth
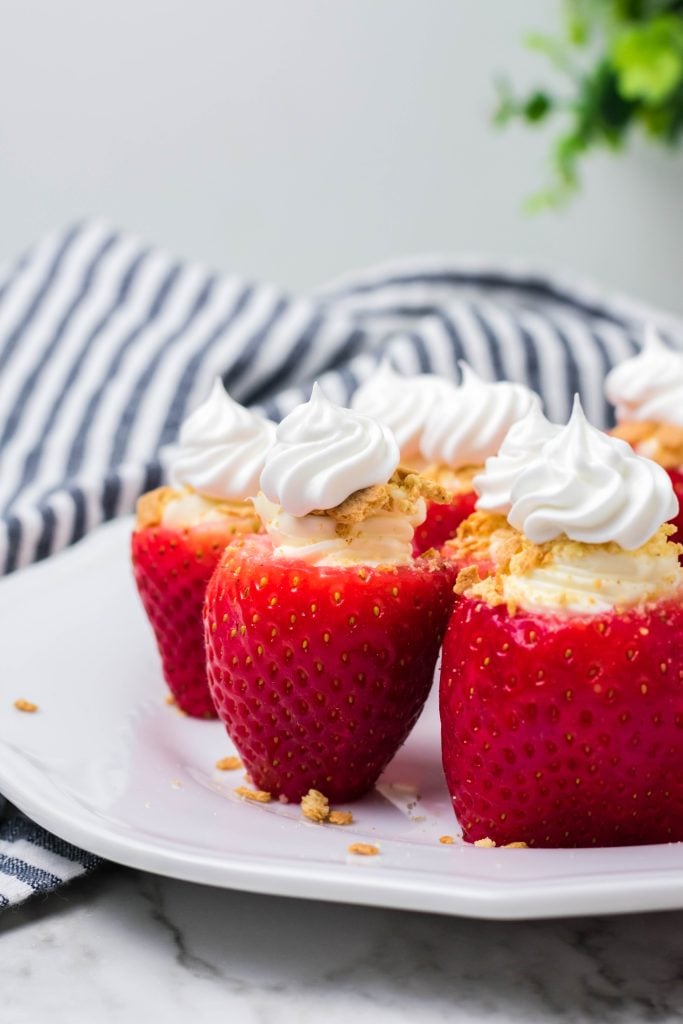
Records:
x=106, y=343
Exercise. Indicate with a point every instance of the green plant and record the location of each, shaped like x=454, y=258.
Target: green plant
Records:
x=622, y=62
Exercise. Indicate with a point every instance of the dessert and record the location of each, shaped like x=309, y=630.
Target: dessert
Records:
x=322, y=636
x=561, y=699
x=466, y=426
x=482, y=540
x=647, y=392
x=181, y=532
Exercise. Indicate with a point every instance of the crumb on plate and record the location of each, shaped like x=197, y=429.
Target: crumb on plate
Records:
x=484, y=842
x=446, y=840
x=25, y=705
x=315, y=806
x=340, y=818
x=516, y=846
x=258, y=795
x=228, y=764
x=364, y=849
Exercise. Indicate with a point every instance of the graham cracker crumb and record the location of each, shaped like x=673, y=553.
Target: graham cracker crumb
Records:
x=241, y=515
x=453, y=481
x=635, y=431
x=446, y=840
x=419, y=485
x=340, y=818
x=488, y=843
x=466, y=579
x=474, y=533
x=315, y=806
x=516, y=846
x=490, y=590
x=517, y=556
x=150, y=506
x=170, y=699
x=258, y=795
x=364, y=849
x=399, y=494
x=663, y=441
x=228, y=764
x=25, y=705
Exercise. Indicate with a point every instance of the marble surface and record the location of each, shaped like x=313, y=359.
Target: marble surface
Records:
x=121, y=945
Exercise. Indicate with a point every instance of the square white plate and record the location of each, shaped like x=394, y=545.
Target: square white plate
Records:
x=107, y=765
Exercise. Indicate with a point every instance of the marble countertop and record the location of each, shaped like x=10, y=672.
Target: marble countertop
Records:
x=122, y=944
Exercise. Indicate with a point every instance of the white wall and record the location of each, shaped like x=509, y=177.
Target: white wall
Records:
x=296, y=139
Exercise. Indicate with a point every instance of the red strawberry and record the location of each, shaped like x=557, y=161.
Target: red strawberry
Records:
x=677, y=481
x=319, y=673
x=564, y=731
x=442, y=521
x=172, y=567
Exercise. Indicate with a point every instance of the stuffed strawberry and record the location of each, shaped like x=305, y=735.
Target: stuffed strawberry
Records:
x=322, y=637
x=560, y=695
x=181, y=533
x=445, y=432
x=465, y=427
x=647, y=391
x=320, y=673
x=564, y=730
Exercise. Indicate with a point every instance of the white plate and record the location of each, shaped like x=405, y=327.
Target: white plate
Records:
x=106, y=764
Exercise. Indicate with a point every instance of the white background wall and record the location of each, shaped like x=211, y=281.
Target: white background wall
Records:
x=295, y=139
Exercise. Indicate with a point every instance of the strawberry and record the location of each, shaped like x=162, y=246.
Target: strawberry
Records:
x=319, y=673
x=677, y=481
x=564, y=730
x=172, y=566
x=442, y=521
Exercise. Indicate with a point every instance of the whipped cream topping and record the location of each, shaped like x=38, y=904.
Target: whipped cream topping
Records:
x=385, y=538
x=402, y=403
x=592, y=488
x=650, y=385
x=323, y=453
x=222, y=448
x=592, y=579
x=469, y=422
x=524, y=439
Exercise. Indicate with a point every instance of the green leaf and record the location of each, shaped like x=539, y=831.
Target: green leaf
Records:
x=624, y=60
x=537, y=106
x=556, y=50
x=648, y=59
x=507, y=106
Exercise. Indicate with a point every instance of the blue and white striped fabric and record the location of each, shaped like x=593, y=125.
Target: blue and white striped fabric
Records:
x=33, y=861
x=107, y=343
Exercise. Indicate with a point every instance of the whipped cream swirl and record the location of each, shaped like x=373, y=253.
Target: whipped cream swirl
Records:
x=524, y=439
x=323, y=453
x=402, y=403
x=592, y=488
x=469, y=422
x=221, y=449
x=648, y=387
